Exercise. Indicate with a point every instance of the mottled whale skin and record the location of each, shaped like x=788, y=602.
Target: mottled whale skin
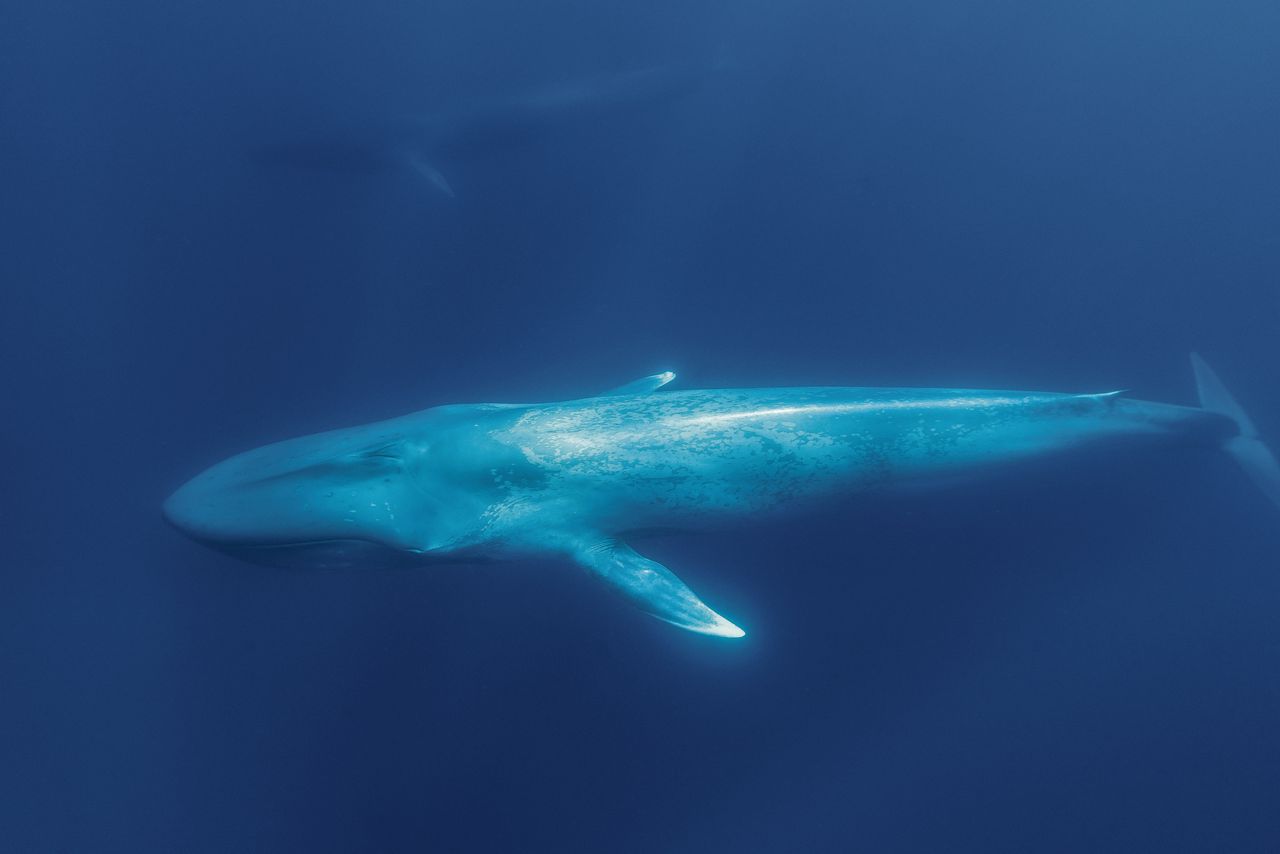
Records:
x=505, y=481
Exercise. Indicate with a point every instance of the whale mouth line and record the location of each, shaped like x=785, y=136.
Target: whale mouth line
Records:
x=299, y=544
x=320, y=543
x=243, y=546
x=323, y=553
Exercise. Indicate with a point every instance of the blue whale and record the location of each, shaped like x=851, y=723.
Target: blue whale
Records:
x=576, y=478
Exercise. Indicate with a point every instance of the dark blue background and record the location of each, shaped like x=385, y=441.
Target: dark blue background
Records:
x=1059, y=196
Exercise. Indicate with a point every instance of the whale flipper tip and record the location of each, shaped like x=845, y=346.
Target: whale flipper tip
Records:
x=725, y=629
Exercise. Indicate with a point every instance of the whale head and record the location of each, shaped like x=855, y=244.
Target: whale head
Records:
x=358, y=496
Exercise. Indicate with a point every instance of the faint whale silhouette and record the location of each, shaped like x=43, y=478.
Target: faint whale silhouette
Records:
x=417, y=145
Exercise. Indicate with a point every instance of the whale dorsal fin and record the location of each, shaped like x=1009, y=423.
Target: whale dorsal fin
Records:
x=652, y=587
x=644, y=385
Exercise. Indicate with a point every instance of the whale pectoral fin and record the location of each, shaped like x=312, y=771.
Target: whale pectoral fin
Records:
x=644, y=385
x=653, y=588
x=431, y=175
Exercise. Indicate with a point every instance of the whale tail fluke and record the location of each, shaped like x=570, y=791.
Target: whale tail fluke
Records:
x=1246, y=448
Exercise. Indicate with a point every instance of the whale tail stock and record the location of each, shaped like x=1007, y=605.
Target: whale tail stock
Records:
x=1246, y=448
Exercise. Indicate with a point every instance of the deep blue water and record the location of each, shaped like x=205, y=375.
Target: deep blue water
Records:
x=1058, y=196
